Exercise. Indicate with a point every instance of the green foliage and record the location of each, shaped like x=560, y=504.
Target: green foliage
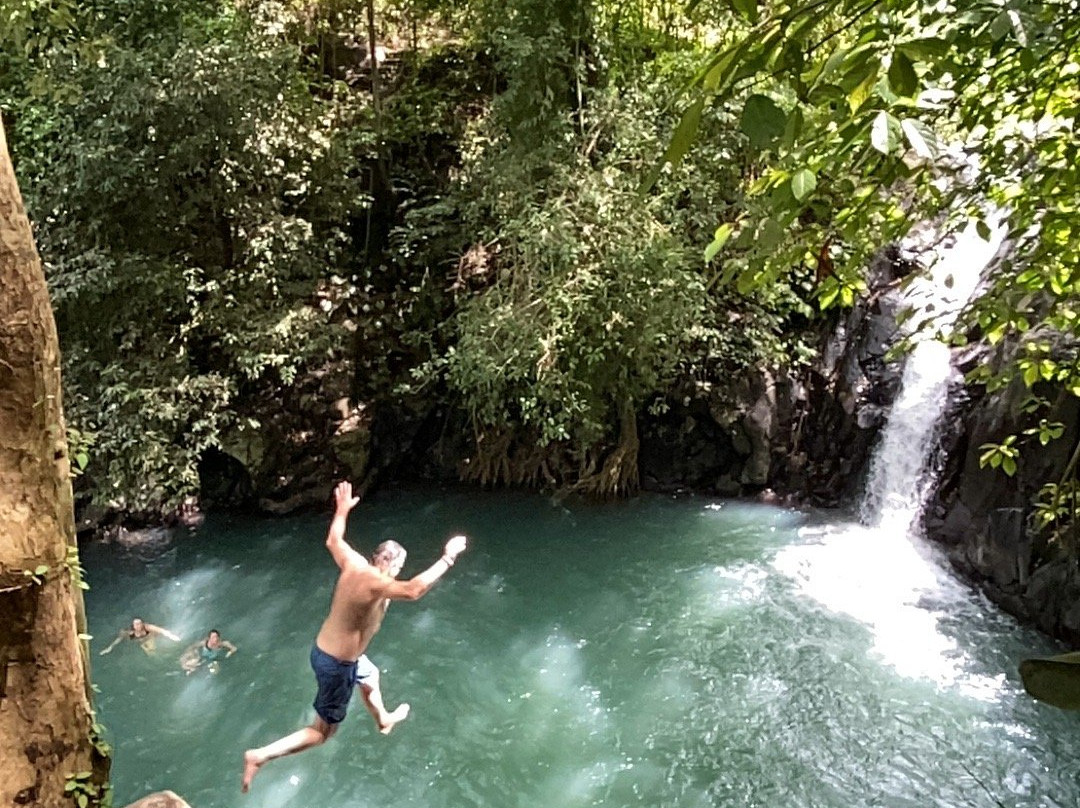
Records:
x=83, y=791
x=1056, y=504
x=37, y=575
x=212, y=212
x=588, y=309
x=79, y=446
x=1000, y=455
x=74, y=564
x=867, y=117
x=542, y=50
x=584, y=298
x=875, y=101
x=190, y=202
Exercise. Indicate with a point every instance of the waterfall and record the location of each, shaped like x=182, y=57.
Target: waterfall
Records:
x=902, y=469
x=875, y=572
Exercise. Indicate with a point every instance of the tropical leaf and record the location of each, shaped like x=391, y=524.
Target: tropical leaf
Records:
x=762, y=121
x=885, y=133
x=902, y=76
x=921, y=138
x=723, y=233
x=803, y=183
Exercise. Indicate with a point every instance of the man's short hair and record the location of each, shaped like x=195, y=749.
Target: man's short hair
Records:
x=389, y=550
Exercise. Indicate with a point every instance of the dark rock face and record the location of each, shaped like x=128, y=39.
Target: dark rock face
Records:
x=810, y=435
x=845, y=397
x=305, y=440
x=807, y=433
x=984, y=518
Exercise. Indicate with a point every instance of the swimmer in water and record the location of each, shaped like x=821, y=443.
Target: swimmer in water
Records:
x=142, y=633
x=206, y=652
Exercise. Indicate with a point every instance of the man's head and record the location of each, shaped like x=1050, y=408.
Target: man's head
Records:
x=137, y=625
x=213, y=639
x=389, y=557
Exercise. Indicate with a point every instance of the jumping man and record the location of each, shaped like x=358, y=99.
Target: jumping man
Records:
x=363, y=592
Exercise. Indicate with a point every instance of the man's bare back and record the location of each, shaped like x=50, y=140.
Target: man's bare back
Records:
x=357, y=609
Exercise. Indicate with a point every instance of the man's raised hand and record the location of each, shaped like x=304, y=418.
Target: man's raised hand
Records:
x=343, y=497
x=454, y=547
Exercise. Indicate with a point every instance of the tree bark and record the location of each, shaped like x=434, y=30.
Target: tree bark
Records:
x=45, y=712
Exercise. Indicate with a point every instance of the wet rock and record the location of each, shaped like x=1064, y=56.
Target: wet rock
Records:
x=983, y=516
x=142, y=538
x=160, y=799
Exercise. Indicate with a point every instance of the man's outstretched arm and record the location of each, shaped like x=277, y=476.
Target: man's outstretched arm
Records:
x=343, y=554
x=415, y=588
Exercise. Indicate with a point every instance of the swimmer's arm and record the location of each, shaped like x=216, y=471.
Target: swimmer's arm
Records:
x=164, y=632
x=112, y=645
x=191, y=653
x=343, y=554
x=230, y=649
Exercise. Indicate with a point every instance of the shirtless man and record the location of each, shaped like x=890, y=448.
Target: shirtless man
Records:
x=363, y=592
x=143, y=633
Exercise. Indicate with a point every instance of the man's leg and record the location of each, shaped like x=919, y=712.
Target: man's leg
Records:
x=318, y=733
x=368, y=682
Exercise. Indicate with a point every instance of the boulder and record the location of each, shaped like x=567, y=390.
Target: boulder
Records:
x=160, y=799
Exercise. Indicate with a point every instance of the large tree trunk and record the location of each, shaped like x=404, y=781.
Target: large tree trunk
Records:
x=45, y=711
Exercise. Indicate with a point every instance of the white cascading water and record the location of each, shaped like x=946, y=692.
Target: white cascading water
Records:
x=901, y=471
x=878, y=572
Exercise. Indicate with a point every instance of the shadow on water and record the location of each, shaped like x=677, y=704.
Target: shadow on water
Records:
x=658, y=652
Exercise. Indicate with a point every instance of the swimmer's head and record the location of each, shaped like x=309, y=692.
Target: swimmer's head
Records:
x=137, y=625
x=213, y=639
x=389, y=557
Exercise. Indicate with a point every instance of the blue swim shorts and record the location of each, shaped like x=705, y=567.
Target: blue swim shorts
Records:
x=336, y=680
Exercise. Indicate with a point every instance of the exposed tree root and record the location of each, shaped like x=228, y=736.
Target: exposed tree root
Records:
x=504, y=457
x=618, y=477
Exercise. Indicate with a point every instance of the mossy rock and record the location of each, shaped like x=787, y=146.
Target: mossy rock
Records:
x=1055, y=680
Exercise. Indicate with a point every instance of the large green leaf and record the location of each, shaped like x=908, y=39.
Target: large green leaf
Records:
x=1055, y=680
x=793, y=128
x=921, y=138
x=902, y=78
x=925, y=48
x=762, y=121
x=747, y=8
x=885, y=133
x=723, y=233
x=862, y=92
x=803, y=183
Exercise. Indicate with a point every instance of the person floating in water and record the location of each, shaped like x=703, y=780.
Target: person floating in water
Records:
x=361, y=596
x=143, y=633
x=206, y=652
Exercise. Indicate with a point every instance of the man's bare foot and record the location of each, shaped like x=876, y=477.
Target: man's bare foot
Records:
x=251, y=766
x=393, y=718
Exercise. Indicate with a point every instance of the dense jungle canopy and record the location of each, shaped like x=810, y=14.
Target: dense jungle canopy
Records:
x=548, y=217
